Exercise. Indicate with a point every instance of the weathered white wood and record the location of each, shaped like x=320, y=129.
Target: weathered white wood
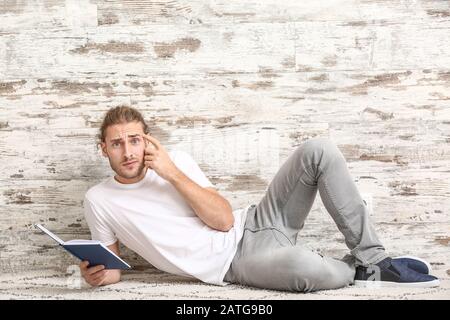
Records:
x=237, y=84
x=22, y=15
x=163, y=50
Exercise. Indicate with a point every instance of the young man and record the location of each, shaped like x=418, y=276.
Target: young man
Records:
x=162, y=206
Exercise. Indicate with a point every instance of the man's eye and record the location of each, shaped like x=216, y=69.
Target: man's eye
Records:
x=135, y=140
x=115, y=144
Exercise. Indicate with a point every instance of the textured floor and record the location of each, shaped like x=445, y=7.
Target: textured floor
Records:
x=153, y=284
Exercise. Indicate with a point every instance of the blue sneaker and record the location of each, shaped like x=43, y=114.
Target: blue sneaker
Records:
x=392, y=273
x=415, y=263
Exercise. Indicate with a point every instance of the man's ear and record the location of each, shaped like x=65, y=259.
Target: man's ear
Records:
x=103, y=147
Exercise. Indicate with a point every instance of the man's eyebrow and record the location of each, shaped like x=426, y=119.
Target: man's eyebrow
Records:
x=129, y=136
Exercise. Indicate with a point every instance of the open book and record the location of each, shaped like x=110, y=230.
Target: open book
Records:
x=91, y=250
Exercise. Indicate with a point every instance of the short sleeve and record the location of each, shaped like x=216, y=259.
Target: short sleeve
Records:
x=189, y=166
x=97, y=225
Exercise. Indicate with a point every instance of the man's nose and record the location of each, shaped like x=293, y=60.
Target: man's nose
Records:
x=127, y=150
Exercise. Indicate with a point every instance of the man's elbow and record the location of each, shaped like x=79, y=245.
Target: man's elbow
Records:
x=227, y=223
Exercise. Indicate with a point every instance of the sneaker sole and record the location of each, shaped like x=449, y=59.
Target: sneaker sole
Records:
x=430, y=270
x=387, y=284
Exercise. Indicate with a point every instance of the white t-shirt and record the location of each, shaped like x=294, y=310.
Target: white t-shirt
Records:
x=152, y=218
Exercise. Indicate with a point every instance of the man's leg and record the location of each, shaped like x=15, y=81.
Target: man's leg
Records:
x=267, y=260
x=267, y=256
x=319, y=164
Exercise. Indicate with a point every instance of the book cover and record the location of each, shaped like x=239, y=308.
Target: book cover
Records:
x=91, y=250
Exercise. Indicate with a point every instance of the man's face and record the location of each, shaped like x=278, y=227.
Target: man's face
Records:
x=124, y=146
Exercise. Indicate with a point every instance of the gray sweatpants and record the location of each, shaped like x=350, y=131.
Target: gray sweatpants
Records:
x=268, y=257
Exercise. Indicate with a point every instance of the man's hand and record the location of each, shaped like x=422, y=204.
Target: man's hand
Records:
x=95, y=276
x=98, y=275
x=157, y=158
x=209, y=206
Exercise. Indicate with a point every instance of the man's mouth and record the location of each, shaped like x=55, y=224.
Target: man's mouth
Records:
x=130, y=163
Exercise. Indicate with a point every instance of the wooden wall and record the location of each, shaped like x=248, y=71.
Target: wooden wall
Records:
x=238, y=84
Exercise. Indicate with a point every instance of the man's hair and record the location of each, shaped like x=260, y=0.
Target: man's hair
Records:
x=118, y=115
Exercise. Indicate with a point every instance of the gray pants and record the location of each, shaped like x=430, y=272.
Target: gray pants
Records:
x=268, y=257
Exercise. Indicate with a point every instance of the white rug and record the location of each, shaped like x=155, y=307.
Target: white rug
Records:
x=153, y=284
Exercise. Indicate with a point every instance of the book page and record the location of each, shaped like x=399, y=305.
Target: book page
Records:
x=81, y=241
x=50, y=234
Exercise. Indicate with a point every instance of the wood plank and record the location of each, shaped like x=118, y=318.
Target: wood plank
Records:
x=151, y=50
x=26, y=15
x=382, y=46
x=161, y=50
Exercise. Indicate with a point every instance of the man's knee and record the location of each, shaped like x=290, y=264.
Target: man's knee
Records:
x=316, y=273
x=319, y=143
x=318, y=147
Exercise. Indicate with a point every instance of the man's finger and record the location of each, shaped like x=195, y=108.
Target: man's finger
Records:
x=100, y=275
x=94, y=283
x=95, y=269
x=152, y=140
x=100, y=282
x=150, y=151
x=150, y=145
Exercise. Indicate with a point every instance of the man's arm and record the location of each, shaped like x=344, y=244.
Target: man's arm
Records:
x=208, y=204
x=97, y=276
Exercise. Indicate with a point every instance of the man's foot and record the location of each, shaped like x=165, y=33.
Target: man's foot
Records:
x=415, y=263
x=392, y=273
